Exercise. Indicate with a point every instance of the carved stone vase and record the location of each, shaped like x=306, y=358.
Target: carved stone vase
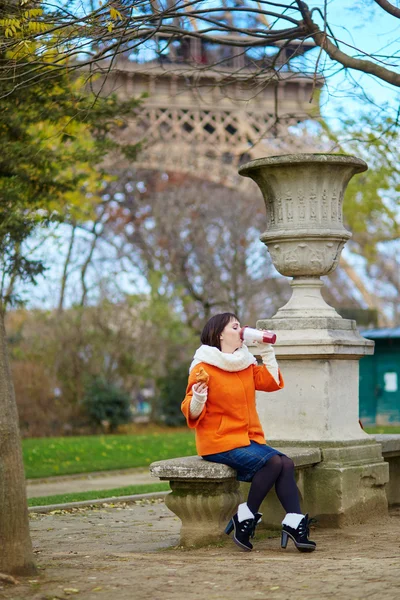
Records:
x=319, y=350
x=303, y=195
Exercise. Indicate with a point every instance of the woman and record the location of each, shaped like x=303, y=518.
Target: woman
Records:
x=222, y=410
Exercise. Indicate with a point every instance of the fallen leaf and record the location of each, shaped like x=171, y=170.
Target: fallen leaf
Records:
x=71, y=591
x=8, y=579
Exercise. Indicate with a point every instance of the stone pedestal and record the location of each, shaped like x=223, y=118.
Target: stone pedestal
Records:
x=204, y=509
x=346, y=487
x=390, y=444
x=319, y=359
x=317, y=350
x=204, y=496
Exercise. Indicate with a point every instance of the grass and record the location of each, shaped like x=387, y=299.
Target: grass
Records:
x=383, y=429
x=94, y=495
x=45, y=457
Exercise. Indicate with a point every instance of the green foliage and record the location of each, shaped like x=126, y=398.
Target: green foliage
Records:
x=44, y=457
x=178, y=342
x=53, y=138
x=105, y=403
x=135, y=343
x=171, y=392
x=371, y=207
x=95, y=495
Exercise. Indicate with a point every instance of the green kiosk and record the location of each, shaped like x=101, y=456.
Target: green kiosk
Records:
x=380, y=379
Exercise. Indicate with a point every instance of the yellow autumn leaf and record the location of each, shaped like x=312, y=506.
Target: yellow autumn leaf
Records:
x=33, y=12
x=115, y=14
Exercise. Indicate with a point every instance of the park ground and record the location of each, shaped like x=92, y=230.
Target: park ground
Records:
x=129, y=551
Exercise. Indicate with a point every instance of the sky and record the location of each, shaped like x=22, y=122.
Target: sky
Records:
x=365, y=26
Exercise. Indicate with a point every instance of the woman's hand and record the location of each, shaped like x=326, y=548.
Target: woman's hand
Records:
x=200, y=388
x=264, y=346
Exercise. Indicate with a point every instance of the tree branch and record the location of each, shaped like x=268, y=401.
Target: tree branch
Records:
x=65, y=270
x=349, y=62
x=392, y=10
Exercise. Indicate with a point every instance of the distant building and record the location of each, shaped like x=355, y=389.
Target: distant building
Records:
x=380, y=379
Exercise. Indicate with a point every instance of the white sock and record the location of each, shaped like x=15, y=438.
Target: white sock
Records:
x=292, y=520
x=244, y=512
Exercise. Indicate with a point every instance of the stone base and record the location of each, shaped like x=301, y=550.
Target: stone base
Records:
x=204, y=508
x=320, y=367
x=393, y=487
x=390, y=444
x=346, y=487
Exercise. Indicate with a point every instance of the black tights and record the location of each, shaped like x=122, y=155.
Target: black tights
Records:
x=278, y=470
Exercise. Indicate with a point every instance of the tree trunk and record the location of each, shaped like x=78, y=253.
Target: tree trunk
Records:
x=16, y=554
x=65, y=271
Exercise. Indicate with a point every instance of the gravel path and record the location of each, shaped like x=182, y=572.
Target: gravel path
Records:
x=129, y=552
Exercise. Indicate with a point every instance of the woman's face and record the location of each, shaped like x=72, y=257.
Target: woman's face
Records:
x=230, y=337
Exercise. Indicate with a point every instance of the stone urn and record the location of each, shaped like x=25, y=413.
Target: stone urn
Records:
x=317, y=349
x=303, y=195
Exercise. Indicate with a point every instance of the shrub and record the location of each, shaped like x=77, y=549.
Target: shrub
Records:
x=172, y=390
x=106, y=404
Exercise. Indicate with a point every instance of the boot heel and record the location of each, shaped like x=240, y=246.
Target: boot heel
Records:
x=229, y=527
x=284, y=539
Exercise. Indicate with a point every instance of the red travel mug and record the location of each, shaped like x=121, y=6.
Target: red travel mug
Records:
x=249, y=335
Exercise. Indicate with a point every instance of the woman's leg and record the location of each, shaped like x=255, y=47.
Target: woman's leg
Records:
x=263, y=481
x=247, y=517
x=278, y=470
x=286, y=488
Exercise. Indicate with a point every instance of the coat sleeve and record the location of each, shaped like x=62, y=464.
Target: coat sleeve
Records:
x=264, y=381
x=185, y=406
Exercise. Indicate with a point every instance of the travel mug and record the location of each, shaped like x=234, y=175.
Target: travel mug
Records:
x=248, y=335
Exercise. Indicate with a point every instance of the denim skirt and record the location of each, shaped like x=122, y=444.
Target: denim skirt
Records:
x=246, y=460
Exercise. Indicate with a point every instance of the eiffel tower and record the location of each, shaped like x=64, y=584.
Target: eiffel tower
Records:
x=209, y=107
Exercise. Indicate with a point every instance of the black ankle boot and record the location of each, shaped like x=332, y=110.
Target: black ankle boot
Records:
x=244, y=530
x=257, y=520
x=299, y=535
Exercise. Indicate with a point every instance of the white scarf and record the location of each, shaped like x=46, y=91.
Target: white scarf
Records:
x=239, y=360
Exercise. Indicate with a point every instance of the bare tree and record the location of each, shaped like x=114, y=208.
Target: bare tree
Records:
x=65, y=273
x=201, y=242
x=88, y=36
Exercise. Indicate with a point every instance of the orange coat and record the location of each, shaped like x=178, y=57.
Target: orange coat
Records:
x=229, y=418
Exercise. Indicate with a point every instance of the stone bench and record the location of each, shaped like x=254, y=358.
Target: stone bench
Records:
x=205, y=495
x=391, y=453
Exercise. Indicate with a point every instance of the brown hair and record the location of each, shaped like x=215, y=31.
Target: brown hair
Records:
x=214, y=327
